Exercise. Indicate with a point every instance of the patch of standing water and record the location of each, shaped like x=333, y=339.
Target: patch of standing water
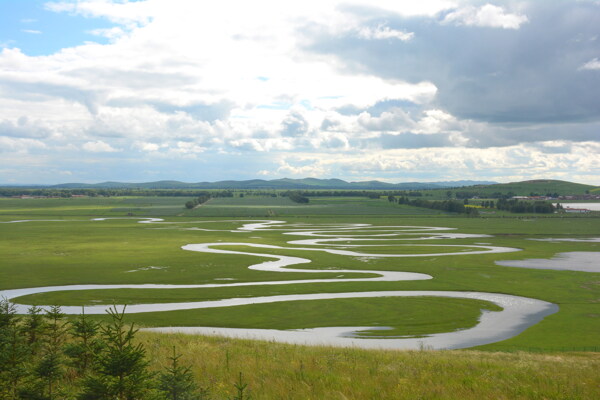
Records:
x=585, y=261
x=518, y=314
x=146, y=269
x=582, y=240
x=586, y=206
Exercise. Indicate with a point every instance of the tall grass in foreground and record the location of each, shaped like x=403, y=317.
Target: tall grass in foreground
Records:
x=45, y=357
x=280, y=371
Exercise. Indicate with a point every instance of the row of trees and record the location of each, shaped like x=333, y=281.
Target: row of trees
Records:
x=297, y=197
x=66, y=193
x=515, y=206
x=45, y=357
x=197, y=201
x=488, y=204
x=375, y=194
x=444, y=205
x=466, y=194
x=519, y=206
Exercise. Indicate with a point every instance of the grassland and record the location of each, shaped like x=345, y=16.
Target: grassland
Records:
x=251, y=206
x=78, y=250
x=92, y=206
x=276, y=371
x=539, y=187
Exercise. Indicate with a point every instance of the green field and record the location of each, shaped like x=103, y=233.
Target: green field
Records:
x=526, y=188
x=78, y=250
x=251, y=206
x=93, y=206
x=278, y=371
x=62, y=245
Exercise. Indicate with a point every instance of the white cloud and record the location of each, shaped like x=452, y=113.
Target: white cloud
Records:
x=384, y=32
x=187, y=148
x=19, y=145
x=109, y=33
x=32, y=31
x=305, y=168
x=428, y=8
x=591, y=65
x=98, y=147
x=487, y=15
x=396, y=120
x=435, y=121
x=120, y=12
x=179, y=79
x=263, y=145
x=149, y=147
x=511, y=163
x=330, y=140
x=196, y=59
x=24, y=128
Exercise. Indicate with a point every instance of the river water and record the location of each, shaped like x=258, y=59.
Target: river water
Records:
x=518, y=313
x=587, y=206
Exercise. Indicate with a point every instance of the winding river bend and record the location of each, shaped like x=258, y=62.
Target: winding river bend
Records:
x=518, y=313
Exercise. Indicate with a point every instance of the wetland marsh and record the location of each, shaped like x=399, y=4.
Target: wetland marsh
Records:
x=168, y=271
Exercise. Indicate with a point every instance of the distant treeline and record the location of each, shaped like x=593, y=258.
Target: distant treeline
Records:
x=66, y=193
x=443, y=205
x=375, y=194
x=514, y=206
x=296, y=197
x=518, y=206
x=197, y=201
x=495, y=195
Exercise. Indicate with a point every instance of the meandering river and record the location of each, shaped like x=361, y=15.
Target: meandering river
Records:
x=518, y=313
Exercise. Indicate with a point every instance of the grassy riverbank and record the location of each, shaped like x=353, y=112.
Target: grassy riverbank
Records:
x=279, y=371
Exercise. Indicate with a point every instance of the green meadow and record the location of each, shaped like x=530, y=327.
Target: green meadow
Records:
x=279, y=371
x=62, y=245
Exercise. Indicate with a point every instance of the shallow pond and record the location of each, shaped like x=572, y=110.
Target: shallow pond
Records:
x=585, y=261
x=587, y=206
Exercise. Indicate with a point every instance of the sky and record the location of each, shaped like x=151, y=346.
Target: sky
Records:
x=399, y=91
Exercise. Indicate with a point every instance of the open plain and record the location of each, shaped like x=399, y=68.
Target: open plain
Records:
x=380, y=275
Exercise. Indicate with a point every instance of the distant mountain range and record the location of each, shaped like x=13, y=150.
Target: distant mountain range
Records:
x=285, y=183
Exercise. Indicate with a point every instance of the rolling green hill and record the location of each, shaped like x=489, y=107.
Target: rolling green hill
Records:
x=283, y=184
x=540, y=187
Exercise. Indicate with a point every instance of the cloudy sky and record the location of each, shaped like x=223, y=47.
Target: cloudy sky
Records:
x=96, y=90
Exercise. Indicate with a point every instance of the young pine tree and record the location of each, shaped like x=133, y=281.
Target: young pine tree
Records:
x=120, y=369
x=240, y=386
x=50, y=367
x=15, y=352
x=177, y=382
x=34, y=327
x=85, y=345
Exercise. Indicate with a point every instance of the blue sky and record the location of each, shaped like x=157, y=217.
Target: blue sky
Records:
x=96, y=90
x=37, y=31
